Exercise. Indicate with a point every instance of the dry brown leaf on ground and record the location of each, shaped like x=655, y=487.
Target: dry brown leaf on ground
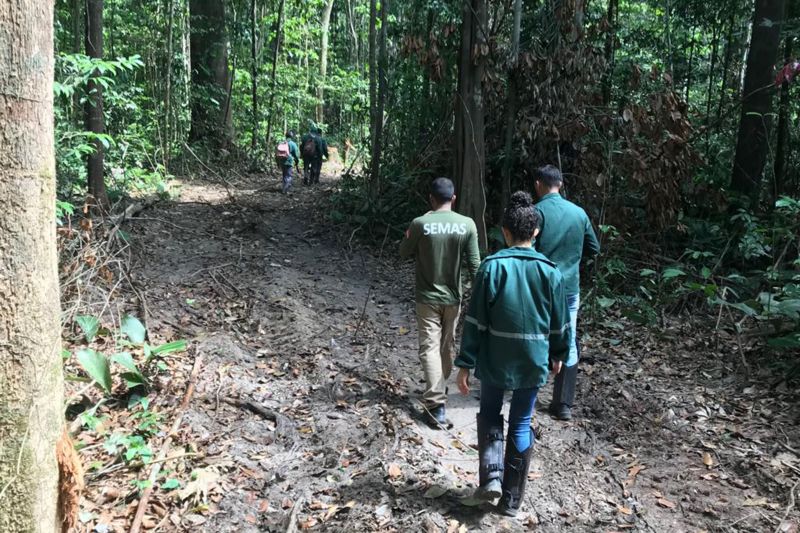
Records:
x=707, y=460
x=394, y=471
x=663, y=502
x=205, y=480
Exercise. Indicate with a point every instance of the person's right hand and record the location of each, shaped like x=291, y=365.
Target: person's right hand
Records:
x=557, y=367
x=463, y=380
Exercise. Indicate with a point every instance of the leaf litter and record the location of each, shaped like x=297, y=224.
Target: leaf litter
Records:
x=295, y=422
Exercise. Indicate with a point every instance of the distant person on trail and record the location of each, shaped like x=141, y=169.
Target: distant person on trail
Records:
x=323, y=153
x=309, y=148
x=566, y=236
x=313, y=148
x=287, y=156
x=443, y=242
x=516, y=326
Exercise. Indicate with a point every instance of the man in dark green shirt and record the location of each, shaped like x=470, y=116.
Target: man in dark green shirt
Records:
x=566, y=236
x=443, y=242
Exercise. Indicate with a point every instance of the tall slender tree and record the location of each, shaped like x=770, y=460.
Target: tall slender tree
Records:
x=31, y=381
x=758, y=91
x=323, y=59
x=210, y=73
x=95, y=120
x=781, y=143
x=470, y=155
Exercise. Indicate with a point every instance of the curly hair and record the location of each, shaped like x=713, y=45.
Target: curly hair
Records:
x=521, y=218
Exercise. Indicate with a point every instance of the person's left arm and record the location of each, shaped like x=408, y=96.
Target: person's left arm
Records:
x=560, y=337
x=591, y=246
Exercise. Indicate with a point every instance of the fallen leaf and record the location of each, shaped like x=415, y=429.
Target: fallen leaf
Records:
x=755, y=502
x=402, y=330
x=663, y=502
x=394, y=471
x=707, y=460
x=624, y=510
x=435, y=491
x=205, y=480
x=308, y=524
x=287, y=503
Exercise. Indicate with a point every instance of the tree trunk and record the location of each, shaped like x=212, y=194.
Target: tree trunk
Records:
x=31, y=382
x=276, y=49
x=167, y=142
x=95, y=122
x=470, y=160
x=668, y=39
x=608, y=49
x=323, y=60
x=710, y=89
x=210, y=74
x=726, y=66
x=254, y=75
x=690, y=66
x=781, y=142
x=382, y=75
x=511, y=106
x=754, y=125
x=373, y=92
x=77, y=48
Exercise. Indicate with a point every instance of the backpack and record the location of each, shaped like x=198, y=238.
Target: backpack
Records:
x=282, y=152
x=309, y=148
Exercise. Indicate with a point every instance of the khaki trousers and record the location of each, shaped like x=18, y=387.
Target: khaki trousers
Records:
x=436, y=325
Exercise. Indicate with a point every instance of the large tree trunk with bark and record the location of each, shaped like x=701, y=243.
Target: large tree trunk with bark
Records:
x=470, y=157
x=210, y=74
x=323, y=60
x=782, y=144
x=753, y=141
x=31, y=383
x=275, y=51
x=95, y=121
x=380, y=101
x=511, y=105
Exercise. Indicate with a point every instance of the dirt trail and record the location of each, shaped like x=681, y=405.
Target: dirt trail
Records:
x=306, y=414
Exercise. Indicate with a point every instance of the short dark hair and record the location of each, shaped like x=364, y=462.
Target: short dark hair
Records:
x=290, y=134
x=443, y=190
x=549, y=175
x=521, y=218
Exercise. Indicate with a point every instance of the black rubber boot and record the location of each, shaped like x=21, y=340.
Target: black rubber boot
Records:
x=490, y=451
x=564, y=392
x=515, y=478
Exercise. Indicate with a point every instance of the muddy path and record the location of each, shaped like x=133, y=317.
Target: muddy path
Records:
x=305, y=413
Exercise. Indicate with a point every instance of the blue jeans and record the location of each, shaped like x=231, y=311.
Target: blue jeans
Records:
x=573, y=302
x=519, y=416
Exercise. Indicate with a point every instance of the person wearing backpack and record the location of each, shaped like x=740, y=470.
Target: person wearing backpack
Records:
x=322, y=152
x=287, y=156
x=309, y=148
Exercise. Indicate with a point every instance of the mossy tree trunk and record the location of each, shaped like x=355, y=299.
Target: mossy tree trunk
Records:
x=31, y=382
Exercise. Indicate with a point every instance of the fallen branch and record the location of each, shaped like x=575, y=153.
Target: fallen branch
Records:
x=187, y=396
x=293, y=515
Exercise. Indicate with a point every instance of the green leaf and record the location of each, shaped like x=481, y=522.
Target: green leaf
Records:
x=125, y=359
x=646, y=272
x=171, y=484
x=605, y=303
x=90, y=325
x=672, y=273
x=133, y=329
x=170, y=347
x=96, y=365
x=790, y=341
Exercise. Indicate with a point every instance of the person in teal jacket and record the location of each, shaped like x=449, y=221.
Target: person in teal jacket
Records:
x=566, y=237
x=517, y=326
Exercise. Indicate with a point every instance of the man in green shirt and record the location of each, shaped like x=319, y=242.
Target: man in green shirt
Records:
x=566, y=236
x=443, y=242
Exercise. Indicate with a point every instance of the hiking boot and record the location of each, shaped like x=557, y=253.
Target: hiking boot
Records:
x=437, y=417
x=560, y=411
x=515, y=476
x=564, y=393
x=490, y=451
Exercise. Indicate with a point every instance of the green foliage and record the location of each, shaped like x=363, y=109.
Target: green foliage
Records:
x=131, y=334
